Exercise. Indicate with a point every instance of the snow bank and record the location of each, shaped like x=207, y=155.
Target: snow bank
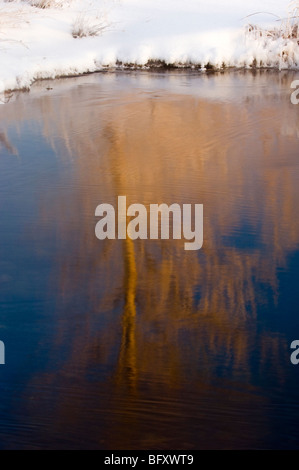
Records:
x=39, y=43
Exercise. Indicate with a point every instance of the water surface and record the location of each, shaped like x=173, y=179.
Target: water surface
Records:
x=118, y=344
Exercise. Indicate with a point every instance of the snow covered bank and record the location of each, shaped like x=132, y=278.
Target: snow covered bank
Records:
x=77, y=36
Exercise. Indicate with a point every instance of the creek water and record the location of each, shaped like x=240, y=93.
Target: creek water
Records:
x=122, y=344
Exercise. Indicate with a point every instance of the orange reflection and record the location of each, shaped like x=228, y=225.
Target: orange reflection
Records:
x=176, y=312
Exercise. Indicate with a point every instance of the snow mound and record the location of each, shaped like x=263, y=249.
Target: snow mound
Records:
x=50, y=38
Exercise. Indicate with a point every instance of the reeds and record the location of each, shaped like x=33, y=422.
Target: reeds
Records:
x=11, y=20
x=84, y=26
x=288, y=28
x=290, y=25
x=43, y=4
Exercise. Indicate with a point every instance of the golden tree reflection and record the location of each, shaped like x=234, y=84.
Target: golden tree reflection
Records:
x=160, y=318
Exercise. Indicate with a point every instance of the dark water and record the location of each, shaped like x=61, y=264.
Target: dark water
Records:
x=142, y=345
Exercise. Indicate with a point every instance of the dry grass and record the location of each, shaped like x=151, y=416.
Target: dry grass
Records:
x=290, y=25
x=43, y=4
x=288, y=28
x=10, y=20
x=84, y=26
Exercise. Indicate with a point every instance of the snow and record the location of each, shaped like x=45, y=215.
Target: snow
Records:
x=38, y=43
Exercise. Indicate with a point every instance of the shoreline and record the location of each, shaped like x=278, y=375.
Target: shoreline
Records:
x=6, y=96
x=73, y=38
